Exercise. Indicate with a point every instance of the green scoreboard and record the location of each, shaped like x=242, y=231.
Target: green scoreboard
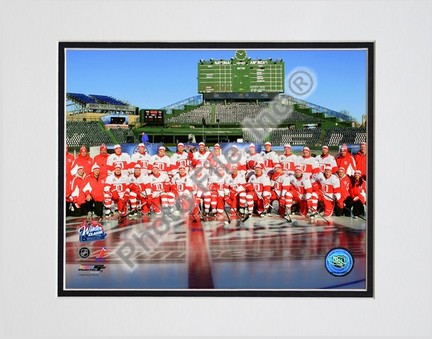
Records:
x=241, y=75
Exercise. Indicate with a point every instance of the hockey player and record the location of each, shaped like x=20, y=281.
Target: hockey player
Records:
x=161, y=161
x=345, y=187
x=344, y=159
x=288, y=160
x=360, y=159
x=200, y=157
x=237, y=193
x=270, y=157
x=301, y=193
x=180, y=158
x=252, y=159
x=69, y=162
x=84, y=160
x=200, y=179
x=357, y=194
x=182, y=187
x=159, y=187
x=101, y=160
x=219, y=191
x=279, y=184
x=141, y=158
x=216, y=158
x=139, y=182
x=328, y=189
x=117, y=190
x=325, y=158
x=258, y=191
x=309, y=165
x=118, y=158
x=236, y=158
x=94, y=190
x=77, y=194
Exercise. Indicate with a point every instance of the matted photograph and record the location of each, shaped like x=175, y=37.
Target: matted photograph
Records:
x=216, y=169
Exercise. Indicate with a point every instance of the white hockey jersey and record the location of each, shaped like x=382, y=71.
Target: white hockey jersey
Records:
x=252, y=160
x=157, y=184
x=179, y=159
x=120, y=184
x=217, y=183
x=309, y=165
x=329, y=187
x=143, y=160
x=270, y=160
x=236, y=183
x=163, y=163
x=123, y=159
x=288, y=163
x=260, y=183
x=200, y=158
x=141, y=182
x=325, y=161
x=182, y=183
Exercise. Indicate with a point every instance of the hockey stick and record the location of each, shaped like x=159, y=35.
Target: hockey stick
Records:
x=286, y=217
x=316, y=212
x=228, y=221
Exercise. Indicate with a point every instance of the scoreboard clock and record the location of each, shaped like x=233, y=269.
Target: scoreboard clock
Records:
x=241, y=74
x=153, y=117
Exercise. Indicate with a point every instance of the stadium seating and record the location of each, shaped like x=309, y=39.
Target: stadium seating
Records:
x=192, y=117
x=107, y=100
x=281, y=136
x=82, y=98
x=239, y=112
x=234, y=113
x=296, y=137
x=338, y=136
x=87, y=133
x=122, y=134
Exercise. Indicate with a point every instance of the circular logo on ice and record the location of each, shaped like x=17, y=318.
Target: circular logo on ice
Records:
x=339, y=262
x=301, y=82
x=84, y=252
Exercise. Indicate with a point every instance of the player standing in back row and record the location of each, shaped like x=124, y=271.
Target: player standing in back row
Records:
x=288, y=160
x=270, y=157
x=118, y=158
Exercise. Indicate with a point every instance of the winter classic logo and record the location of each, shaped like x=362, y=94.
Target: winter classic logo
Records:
x=339, y=262
x=90, y=231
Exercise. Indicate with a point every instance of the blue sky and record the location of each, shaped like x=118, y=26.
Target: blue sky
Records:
x=156, y=78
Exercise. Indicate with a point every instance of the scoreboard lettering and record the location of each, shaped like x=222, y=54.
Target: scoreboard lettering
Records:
x=153, y=117
x=241, y=75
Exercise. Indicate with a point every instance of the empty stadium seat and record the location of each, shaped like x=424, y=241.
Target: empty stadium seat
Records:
x=107, y=100
x=194, y=116
x=338, y=136
x=87, y=133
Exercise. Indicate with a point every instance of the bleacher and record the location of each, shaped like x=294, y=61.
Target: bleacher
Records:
x=296, y=137
x=192, y=117
x=338, y=136
x=82, y=98
x=281, y=136
x=124, y=135
x=234, y=113
x=238, y=112
x=87, y=133
x=104, y=99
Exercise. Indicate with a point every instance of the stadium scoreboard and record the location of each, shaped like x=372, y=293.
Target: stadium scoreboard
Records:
x=153, y=117
x=241, y=75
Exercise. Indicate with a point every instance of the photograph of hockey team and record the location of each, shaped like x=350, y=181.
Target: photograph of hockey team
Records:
x=216, y=169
